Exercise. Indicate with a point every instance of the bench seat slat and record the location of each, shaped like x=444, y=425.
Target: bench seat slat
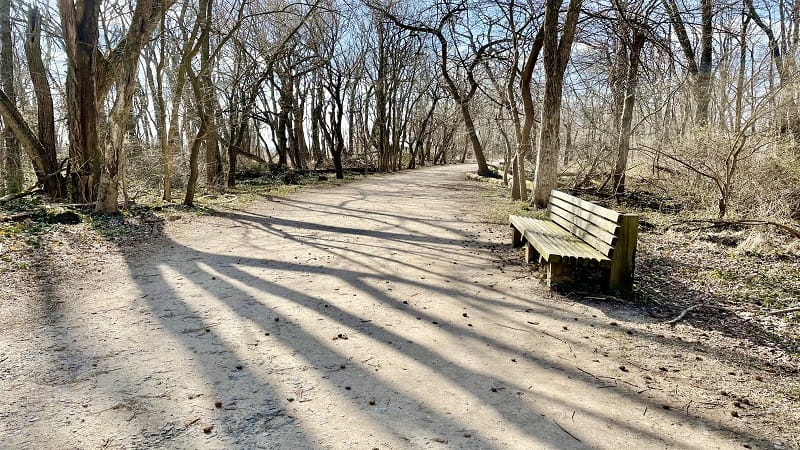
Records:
x=555, y=244
x=522, y=222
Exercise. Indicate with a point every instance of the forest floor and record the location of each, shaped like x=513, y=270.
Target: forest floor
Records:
x=389, y=312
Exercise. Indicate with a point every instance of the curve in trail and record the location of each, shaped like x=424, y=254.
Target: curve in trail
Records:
x=382, y=313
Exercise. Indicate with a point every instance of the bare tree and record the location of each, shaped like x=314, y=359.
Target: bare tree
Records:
x=633, y=31
x=556, y=53
x=699, y=68
x=40, y=149
x=50, y=174
x=461, y=96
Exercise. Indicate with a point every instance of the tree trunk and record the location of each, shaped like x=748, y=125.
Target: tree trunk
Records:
x=232, y=154
x=339, y=146
x=463, y=103
x=477, y=148
x=702, y=84
x=114, y=160
x=525, y=135
x=381, y=114
x=194, y=156
x=161, y=112
x=631, y=81
x=80, y=28
x=316, y=117
x=567, y=142
x=13, y=120
x=13, y=156
x=298, y=114
x=172, y=135
x=741, y=73
x=207, y=102
x=556, y=55
x=211, y=138
x=51, y=178
x=700, y=73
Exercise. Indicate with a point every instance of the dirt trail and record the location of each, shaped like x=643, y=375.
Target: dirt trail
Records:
x=384, y=313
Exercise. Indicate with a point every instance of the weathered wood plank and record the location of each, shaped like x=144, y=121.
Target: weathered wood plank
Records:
x=552, y=246
x=623, y=262
x=603, y=245
x=609, y=214
x=582, y=217
x=516, y=237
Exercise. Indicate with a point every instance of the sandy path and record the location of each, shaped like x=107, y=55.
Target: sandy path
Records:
x=379, y=314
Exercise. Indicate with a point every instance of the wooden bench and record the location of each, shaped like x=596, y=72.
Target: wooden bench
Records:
x=580, y=234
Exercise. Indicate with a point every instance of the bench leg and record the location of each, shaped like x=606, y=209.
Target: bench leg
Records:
x=516, y=238
x=619, y=280
x=605, y=278
x=558, y=273
x=531, y=255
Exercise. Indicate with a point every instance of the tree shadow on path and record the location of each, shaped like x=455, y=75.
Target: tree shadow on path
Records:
x=309, y=314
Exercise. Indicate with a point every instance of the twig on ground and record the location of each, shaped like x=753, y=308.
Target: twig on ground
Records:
x=784, y=311
x=18, y=217
x=512, y=328
x=191, y=422
x=538, y=331
x=683, y=314
x=565, y=431
x=590, y=374
x=602, y=297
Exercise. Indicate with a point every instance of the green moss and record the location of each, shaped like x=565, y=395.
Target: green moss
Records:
x=716, y=274
x=13, y=229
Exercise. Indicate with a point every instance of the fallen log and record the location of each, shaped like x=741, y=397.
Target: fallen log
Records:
x=35, y=189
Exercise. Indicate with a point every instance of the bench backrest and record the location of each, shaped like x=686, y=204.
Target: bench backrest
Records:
x=593, y=224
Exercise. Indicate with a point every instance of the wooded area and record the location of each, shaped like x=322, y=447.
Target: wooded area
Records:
x=181, y=269
x=698, y=100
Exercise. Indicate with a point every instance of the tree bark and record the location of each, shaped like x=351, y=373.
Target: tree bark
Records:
x=13, y=156
x=80, y=27
x=14, y=121
x=189, y=50
x=631, y=82
x=44, y=160
x=207, y=102
x=703, y=82
x=739, y=113
x=114, y=159
x=556, y=56
x=49, y=175
x=524, y=144
x=161, y=112
x=194, y=154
